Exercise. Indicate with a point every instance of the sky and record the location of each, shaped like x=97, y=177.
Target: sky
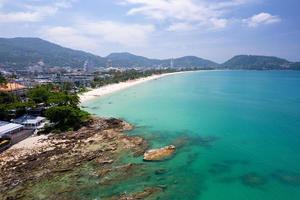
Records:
x=211, y=29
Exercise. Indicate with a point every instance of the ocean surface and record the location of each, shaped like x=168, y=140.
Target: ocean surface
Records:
x=237, y=134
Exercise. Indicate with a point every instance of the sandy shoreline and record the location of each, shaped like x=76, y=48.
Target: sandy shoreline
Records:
x=108, y=89
x=36, y=142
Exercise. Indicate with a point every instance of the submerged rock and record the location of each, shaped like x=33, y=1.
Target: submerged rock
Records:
x=150, y=192
x=253, y=180
x=161, y=171
x=288, y=178
x=159, y=154
x=219, y=168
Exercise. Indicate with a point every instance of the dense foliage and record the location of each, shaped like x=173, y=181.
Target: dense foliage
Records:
x=67, y=117
x=3, y=80
x=59, y=106
x=49, y=96
x=115, y=76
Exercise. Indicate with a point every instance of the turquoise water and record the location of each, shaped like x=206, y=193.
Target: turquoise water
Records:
x=237, y=132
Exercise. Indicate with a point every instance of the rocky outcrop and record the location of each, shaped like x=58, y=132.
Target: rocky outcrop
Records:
x=159, y=154
x=99, y=144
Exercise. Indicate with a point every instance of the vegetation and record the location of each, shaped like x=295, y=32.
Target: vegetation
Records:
x=3, y=80
x=115, y=76
x=59, y=106
x=67, y=117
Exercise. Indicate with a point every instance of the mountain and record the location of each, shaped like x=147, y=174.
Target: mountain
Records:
x=295, y=66
x=19, y=53
x=23, y=52
x=257, y=63
x=130, y=60
x=193, y=61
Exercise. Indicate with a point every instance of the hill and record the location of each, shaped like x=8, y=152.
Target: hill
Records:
x=130, y=60
x=251, y=62
x=22, y=52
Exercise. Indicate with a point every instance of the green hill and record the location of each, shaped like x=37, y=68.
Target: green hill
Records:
x=257, y=63
x=22, y=52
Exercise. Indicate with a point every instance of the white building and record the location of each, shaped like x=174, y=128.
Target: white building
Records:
x=8, y=129
x=31, y=122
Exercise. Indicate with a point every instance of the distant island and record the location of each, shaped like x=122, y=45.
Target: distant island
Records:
x=19, y=53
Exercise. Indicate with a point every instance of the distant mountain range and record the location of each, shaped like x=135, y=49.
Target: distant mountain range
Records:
x=23, y=52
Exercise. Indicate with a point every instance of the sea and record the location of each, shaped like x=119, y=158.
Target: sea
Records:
x=237, y=134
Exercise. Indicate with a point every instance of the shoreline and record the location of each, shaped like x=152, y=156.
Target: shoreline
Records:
x=111, y=88
x=101, y=144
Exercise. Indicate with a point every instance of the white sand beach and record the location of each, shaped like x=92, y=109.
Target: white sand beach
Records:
x=108, y=89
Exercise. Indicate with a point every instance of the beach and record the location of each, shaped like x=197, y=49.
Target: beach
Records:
x=111, y=88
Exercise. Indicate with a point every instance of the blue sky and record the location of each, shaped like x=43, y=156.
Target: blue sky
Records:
x=212, y=29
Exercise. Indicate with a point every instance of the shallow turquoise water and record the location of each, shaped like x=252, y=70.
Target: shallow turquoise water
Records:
x=240, y=132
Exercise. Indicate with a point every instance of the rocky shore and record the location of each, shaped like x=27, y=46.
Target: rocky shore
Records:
x=66, y=157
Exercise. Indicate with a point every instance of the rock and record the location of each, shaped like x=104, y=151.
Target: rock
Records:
x=104, y=162
x=147, y=193
x=286, y=177
x=253, y=180
x=160, y=171
x=159, y=154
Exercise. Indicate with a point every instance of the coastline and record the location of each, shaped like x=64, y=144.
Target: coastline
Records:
x=111, y=88
x=99, y=145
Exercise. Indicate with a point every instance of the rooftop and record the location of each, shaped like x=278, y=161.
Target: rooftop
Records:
x=9, y=87
x=6, y=127
x=28, y=119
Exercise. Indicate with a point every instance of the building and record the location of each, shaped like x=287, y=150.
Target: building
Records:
x=14, y=88
x=172, y=63
x=7, y=129
x=77, y=79
x=31, y=122
x=13, y=132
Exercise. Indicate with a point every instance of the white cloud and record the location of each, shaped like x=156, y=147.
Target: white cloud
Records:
x=262, y=18
x=205, y=13
x=181, y=27
x=89, y=35
x=68, y=36
x=32, y=12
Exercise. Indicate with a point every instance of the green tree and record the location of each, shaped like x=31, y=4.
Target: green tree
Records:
x=3, y=80
x=6, y=98
x=64, y=99
x=39, y=94
x=67, y=117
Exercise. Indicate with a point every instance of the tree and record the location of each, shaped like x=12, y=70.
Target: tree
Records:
x=63, y=99
x=39, y=94
x=3, y=80
x=6, y=98
x=67, y=117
